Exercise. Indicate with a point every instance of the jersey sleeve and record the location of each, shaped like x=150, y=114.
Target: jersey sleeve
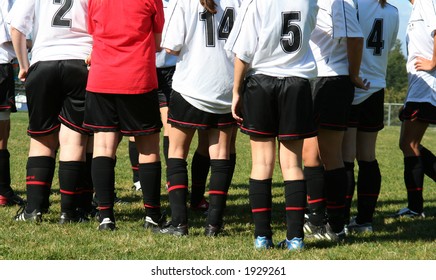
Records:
x=158, y=19
x=344, y=16
x=428, y=9
x=243, y=38
x=173, y=36
x=21, y=16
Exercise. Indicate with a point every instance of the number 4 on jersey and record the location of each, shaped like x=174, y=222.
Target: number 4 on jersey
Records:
x=375, y=39
x=224, y=28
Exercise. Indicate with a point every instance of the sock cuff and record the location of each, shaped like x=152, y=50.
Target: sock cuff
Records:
x=40, y=162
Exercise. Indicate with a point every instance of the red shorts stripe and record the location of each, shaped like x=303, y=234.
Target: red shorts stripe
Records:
x=257, y=210
x=217, y=192
x=176, y=187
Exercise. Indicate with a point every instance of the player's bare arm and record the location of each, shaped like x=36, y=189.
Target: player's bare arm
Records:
x=239, y=75
x=355, y=47
x=20, y=46
x=157, y=40
x=176, y=53
x=423, y=64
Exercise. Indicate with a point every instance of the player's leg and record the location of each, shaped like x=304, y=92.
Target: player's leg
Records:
x=199, y=171
x=220, y=178
x=349, y=154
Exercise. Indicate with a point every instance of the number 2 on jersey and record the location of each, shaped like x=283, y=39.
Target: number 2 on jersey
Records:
x=291, y=32
x=224, y=28
x=375, y=39
x=59, y=19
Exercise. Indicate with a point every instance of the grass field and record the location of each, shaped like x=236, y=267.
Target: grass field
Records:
x=404, y=239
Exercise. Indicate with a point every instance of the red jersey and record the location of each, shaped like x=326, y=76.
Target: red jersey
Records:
x=124, y=50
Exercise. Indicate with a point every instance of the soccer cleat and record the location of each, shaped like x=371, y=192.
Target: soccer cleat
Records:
x=34, y=216
x=294, y=244
x=136, y=186
x=202, y=206
x=323, y=232
x=262, y=242
x=179, y=230
x=75, y=218
x=107, y=224
x=211, y=230
x=406, y=212
x=155, y=226
x=353, y=226
x=12, y=200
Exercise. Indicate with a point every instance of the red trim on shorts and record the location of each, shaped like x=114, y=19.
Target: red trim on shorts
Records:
x=186, y=123
x=135, y=168
x=139, y=131
x=5, y=107
x=225, y=124
x=258, y=132
x=44, y=131
x=151, y=206
x=295, y=208
x=38, y=183
x=98, y=126
x=176, y=187
x=298, y=134
x=332, y=125
x=256, y=210
x=73, y=125
x=218, y=192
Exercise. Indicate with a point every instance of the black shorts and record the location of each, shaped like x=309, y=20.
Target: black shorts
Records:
x=182, y=114
x=278, y=107
x=7, y=88
x=165, y=81
x=424, y=112
x=55, y=92
x=333, y=97
x=130, y=114
x=368, y=116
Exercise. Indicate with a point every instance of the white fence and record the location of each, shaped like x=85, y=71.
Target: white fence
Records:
x=391, y=114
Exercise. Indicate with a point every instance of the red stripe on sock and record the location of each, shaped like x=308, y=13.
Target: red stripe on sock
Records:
x=217, y=192
x=260, y=210
x=176, y=187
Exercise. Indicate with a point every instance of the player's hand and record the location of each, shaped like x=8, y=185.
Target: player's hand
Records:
x=422, y=64
x=359, y=83
x=22, y=75
x=88, y=61
x=237, y=107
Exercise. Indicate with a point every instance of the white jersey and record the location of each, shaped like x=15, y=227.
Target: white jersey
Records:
x=204, y=70
x=58, y=28
x=273, y=37
x=380, y=28
x=163, y=59
x=336, y=21
x=420, y=41
x=6, y=49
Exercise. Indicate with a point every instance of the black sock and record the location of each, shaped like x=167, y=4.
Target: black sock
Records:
x=5, y=174
x=71, y=174
x=351, y=185
x=336, y=188
x=233, y=166
x=199, y=171
x=177, y=181
x=414, y=180
x=316, y=194
x=150, y=175
x=368, y=190
x=218, y=188
x=166, y=144
x=39, y=177
x=134, y=161
x=103, y=178
x=295, y=202
x=261, y=206
x=87, y=191
x=429, y=162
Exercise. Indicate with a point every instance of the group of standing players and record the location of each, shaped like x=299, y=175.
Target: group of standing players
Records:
x=308, y=73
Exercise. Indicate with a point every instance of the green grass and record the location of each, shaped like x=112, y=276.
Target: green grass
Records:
x=404, y=239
